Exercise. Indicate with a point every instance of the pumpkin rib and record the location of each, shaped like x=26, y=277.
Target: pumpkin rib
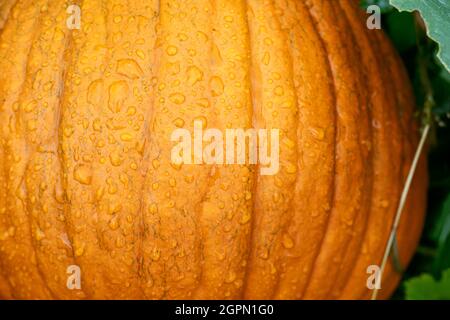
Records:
x=154, y=58
x=224, y=253
x=315, y=26
x=353, y=134
x=255, y=88
x=22, y=254
x=76, y=229
x=205, y=218
x=45, y=226
x=411, y=223
x=271, y=218
x=358, y=231
x=388, y=53
x=181, y=210
x=406, y=155
x=104, y=229
x=384, y=161
x=316, y=131
x=5, y=12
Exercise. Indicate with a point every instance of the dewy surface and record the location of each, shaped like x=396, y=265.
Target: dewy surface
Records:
x=85, y=171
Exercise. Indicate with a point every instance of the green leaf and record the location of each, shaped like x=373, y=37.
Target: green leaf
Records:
x=436, y=14
x=400, y=26
x=425, y=287
x=442, y=229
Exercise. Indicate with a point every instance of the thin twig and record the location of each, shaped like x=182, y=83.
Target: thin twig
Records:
x=427, y=121
x=402, y=203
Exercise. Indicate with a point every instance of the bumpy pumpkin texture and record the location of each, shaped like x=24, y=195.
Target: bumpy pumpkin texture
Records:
x=86, y=176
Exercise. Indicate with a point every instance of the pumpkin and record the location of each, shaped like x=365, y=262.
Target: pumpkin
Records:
x=85, y=169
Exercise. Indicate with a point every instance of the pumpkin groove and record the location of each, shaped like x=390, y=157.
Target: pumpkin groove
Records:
x=85, y=171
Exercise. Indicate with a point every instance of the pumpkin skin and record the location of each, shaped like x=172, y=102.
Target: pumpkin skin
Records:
x=85, y=171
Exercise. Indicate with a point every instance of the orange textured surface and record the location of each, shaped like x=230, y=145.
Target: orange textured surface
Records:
x=85, y=171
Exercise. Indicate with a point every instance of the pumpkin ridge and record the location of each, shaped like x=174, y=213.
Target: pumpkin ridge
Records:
x=411, y=222
x=315, y=24
x=227, y=215
x=68, y=169
x=383, y=161
x=4, y=170
x=48, y=151
x=141, y=274
x=353, y=133
x=201, y=289
x=316, y=132
x=174, y=258
x=255, y=116
x=285, y=228
x=352, y=251
x=5, y=12
x=16, y=177
x=291, y=21
x=271, y=64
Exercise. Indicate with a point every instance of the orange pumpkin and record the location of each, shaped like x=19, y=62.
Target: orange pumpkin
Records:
x=86, y=177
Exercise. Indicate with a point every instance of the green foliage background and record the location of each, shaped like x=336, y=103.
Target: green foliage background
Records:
x=428, y=276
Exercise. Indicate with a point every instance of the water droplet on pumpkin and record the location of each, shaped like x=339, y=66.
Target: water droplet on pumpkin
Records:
x=268, y=41
x=79, y=250
x=82, y=174
x=289, y=143
x=172, y=50
x=68, y=131
x=288, y=243
x=202, y=120
x=177, y=98
x=291, y=168
x=230, y=277
x=31, y=125
x=118, y=91
x=129, y=68
x=279, y=91
x=217, y=86
x=376, y=124
x=126, y=136
x=178, y=122
x=4, y=235
x=182, y=37
x=114, y=208
x=203, y=102
x=194, y=75
x=114, y=224
x=115, y=158
x=155, y=254
x=120, y=242
x=263, y=253
x=95, y=92
x=153, y=208
x=30, y=106
x=246, y=216
x=58, y=35
x=318, y=133
x=266, y=58
x=140, y=54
